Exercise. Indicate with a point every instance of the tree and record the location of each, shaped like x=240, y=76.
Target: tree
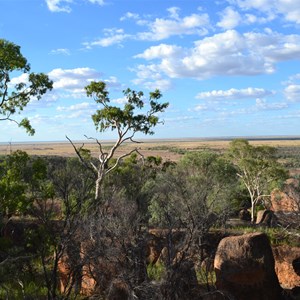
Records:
x=126, y=121
x=190, y=198
x=14, y=97
x=257, y=168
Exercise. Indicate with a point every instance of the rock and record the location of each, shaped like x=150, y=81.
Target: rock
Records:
x=244, y=267
x=244, y=215
x=287, y=266
x=266, y=218
x=287, y=200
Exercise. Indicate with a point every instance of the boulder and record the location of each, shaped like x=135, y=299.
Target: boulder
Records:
x=287, y=266
x=245, y=268
x=266, y=218
x=288, y=199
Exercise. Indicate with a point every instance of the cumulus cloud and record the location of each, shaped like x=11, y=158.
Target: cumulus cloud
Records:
x=288, y=9
x=160, y=51
x=163, y=28
x=292, y=92
x=234, y=94
x=157, y=29
x=73, y=80
x=23, y=78
x=228, y=53
x=229, y=18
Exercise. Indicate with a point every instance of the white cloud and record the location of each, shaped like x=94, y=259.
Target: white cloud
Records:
x=112, y=36
x=100, y=2
x=79, y=106
x=62, y=51
x=234, y=94
x=151, y=78
x=73, y=79
x=160, y=51
x=288, y=9
x=229, y=53
x=173, y=11
x=62, y=5
x=262, y=104
x=121, y=100
x=229, y=18
x=130, y=15
x=160, y=28
x=23, y=78
x=113, y=82
x=59, y=5
x=292, y=92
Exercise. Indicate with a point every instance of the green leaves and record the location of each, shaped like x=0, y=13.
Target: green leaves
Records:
x=13, y=99
x=128, y=118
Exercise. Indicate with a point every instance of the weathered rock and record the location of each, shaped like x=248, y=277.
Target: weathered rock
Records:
x=287, y=200
x=244, y=267
x=266, y=218
x=287, y=265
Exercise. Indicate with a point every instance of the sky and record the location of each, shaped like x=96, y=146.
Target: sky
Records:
x=228, y=68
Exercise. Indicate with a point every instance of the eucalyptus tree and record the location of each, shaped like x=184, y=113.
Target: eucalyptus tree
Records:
x=126, y=122
x=257, y=168
x=15, y=96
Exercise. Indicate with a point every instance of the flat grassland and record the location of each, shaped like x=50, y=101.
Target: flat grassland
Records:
x=168, y=149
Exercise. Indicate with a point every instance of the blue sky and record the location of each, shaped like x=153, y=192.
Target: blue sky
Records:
x=227, y=67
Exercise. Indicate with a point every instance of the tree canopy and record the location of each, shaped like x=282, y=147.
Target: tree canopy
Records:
x=15, y=96
x=257, y=168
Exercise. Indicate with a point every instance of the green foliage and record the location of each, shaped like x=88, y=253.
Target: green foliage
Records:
x=257, y=169
x=126, y=118
x=157, y=271
x=13, y=99
x=189, y=192
x=13, y=186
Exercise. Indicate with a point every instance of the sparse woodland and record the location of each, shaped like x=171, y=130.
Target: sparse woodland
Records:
x=127, y=227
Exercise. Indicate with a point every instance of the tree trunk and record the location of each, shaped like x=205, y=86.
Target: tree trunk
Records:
x=252, y=211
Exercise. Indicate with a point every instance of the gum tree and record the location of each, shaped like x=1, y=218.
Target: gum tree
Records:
x=15, y=96
x=257, y=168
x=127, y=121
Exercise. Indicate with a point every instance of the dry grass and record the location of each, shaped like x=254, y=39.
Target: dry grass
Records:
x=167, y=149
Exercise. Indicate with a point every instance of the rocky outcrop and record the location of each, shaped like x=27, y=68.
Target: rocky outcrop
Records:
x=288, y=199
x=287, y=266
x=245, y=268
x=266, y=218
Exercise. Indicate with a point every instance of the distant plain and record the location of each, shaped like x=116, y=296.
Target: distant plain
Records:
x=168, y=149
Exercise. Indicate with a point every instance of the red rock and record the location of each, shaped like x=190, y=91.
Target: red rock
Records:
x=287, y=265
x=288, y=199
x=244, y=267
